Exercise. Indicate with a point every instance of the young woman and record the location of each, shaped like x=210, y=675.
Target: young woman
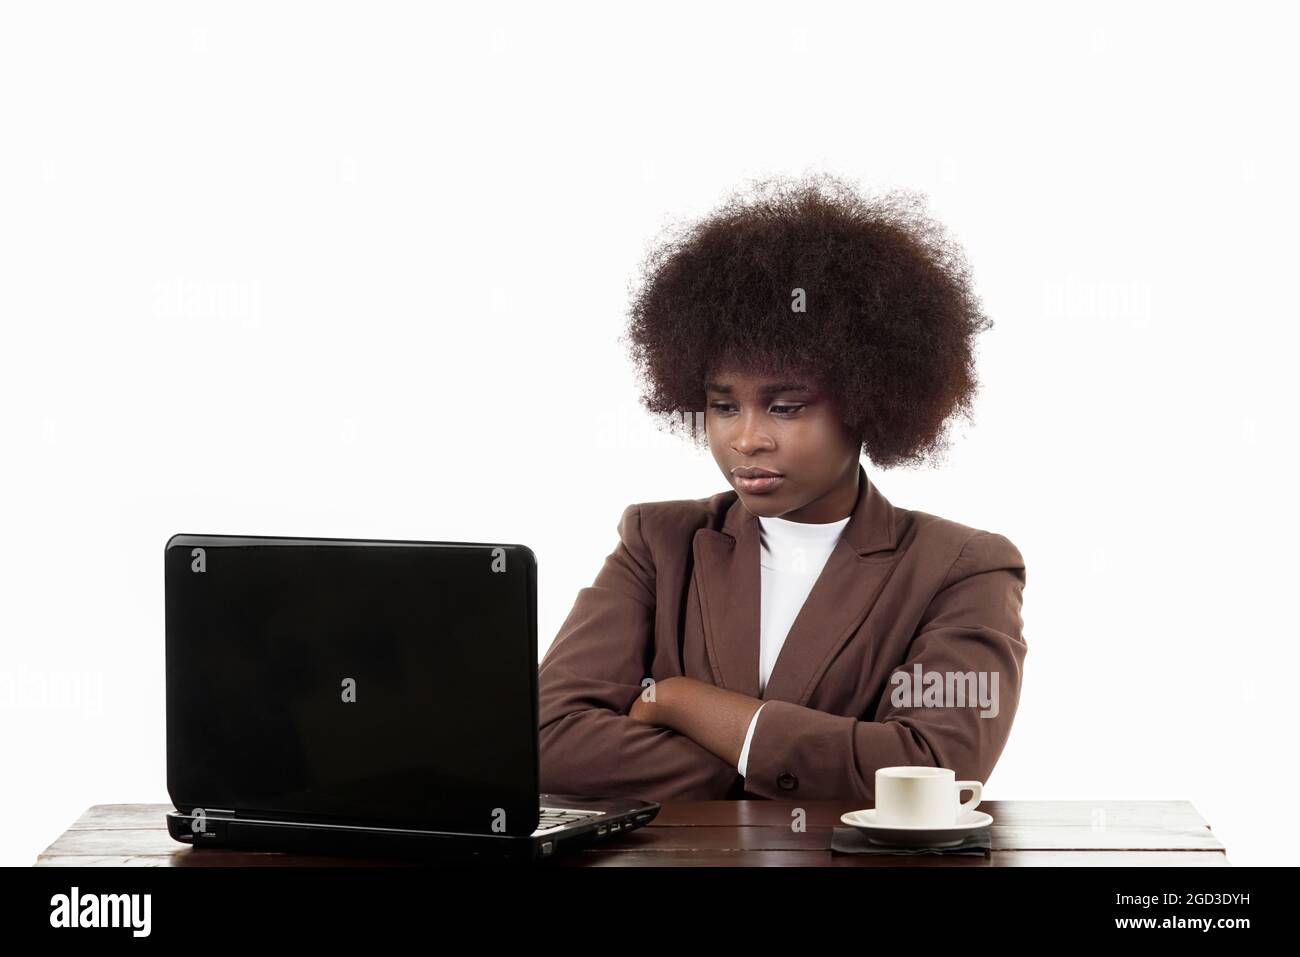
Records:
x=790, y=635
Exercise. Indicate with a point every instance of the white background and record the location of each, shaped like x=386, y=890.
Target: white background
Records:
x=360, y=271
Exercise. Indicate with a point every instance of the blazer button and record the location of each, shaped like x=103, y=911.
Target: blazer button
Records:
x=787, y=781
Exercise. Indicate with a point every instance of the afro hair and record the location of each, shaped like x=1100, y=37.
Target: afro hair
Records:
x=887, y=324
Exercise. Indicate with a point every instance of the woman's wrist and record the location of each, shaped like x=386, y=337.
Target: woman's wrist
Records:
x=653, y=704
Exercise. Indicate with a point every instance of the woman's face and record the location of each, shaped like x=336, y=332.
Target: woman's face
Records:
x=785, y=427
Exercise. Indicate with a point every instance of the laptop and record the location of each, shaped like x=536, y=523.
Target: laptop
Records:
x=363, y=697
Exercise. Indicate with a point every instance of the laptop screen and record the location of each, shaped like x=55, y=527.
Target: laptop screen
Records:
x=386, y=683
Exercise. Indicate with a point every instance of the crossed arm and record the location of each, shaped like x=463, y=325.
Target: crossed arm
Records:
x=714, y=718
x=592, y=675
x=972, y=628
x=685, y=744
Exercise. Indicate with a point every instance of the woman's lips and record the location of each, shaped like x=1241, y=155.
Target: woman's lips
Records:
x=757, y=486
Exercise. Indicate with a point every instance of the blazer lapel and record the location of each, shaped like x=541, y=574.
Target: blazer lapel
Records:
x=729, y=582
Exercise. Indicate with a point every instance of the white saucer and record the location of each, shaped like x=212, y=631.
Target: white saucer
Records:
x=911, y=835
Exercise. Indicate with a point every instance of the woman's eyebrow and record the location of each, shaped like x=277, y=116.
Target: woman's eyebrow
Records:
x=762, y=390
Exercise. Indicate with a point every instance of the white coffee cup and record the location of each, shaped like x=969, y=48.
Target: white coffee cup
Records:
x=923, y=796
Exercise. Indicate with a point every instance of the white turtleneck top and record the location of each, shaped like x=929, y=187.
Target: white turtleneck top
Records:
x=792, y=555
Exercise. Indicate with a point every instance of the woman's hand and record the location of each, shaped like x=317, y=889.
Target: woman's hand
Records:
x=714, y=718
x=649, y=711
x=642, y=710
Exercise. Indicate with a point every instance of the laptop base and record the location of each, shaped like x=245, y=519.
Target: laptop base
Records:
x=408, y=845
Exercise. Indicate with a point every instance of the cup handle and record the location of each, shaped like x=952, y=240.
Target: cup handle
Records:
x=973, y=803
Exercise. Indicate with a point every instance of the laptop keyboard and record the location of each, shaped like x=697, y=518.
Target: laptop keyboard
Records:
x=553, y=817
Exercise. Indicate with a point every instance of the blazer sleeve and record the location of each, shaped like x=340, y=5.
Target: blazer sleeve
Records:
x=973, y=624
x=589, y=679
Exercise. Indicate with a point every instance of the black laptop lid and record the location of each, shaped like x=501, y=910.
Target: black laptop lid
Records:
x=361, y=682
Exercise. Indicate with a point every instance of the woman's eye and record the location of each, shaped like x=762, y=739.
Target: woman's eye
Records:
x=778, y=409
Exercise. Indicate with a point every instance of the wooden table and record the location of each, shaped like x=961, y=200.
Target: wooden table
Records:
x=735, y=833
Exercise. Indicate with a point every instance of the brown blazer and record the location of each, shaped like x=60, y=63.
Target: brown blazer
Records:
x=680, y=594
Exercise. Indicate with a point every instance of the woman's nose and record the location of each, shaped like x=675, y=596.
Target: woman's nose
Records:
x=750, y=434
